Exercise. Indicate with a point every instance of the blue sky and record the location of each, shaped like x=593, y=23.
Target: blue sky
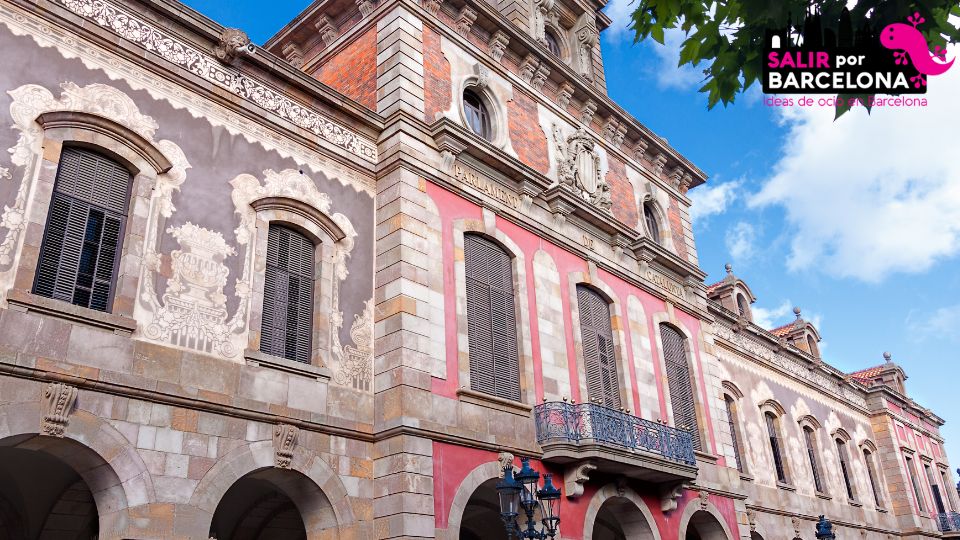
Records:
x=855, y=221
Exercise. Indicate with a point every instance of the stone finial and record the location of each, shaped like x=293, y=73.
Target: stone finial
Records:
x=284, y=441
x=796, y=311
x=887, y=357
x=465, y=20
x=366, y=7
x=729, y=268
x=587, y=110
x=58, y=402
x=328, y=30
x=540, y=77
x=233, y=44
x=293, y=55
x=564, y=94
x=498, y=44
x=528, y=67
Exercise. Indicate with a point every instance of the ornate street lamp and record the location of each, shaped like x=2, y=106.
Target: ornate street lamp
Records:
x=825, y=530
x=519, y=492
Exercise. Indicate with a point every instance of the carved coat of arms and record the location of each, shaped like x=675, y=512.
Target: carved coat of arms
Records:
x=578, y=167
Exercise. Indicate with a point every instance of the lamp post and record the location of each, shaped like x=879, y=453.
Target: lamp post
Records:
x=519, y=493
x=825, y=530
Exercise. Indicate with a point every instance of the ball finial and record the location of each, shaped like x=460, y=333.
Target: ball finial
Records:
x=796, y=311
x=728, y=267
x=887, y=356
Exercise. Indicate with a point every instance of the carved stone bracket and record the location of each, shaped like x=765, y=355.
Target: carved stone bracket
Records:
x=528, y=67
x=504, y=459
x=465, y=20
x=610, y=129
x=293, y=54
x=659, y=161
x=284, y=441
x=620, y=135
x=564, y=95
x=752, y=519
x=669, y=494
x=58, y=402
x=366, y=7
x=704, y=497
x=498, y=44
x=540, y=77
x=587, y=111
x=233, y=44
x=640, y=149
x=575, y=477
x=449, y=148
x=328, y=30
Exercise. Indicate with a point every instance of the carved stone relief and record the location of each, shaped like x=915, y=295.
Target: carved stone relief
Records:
x=575, y=477
x=234, y=43
x=578, y=167
x=498, y=44
x=284, y=441
x=58, y=402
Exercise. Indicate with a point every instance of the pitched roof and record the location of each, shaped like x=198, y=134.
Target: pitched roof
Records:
x=867, y=375
x=715, y=286
x=781, y=331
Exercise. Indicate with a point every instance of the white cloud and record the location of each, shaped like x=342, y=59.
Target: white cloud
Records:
x=773, y=317
x=713, y=199
x=942, y=324
x=669, y=74
x=869, y=196
x=619, y=12
x=740, y=240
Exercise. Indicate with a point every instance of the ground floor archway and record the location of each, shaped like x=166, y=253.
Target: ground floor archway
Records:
x=620, y=519
x=704, y=526
x=481, y=515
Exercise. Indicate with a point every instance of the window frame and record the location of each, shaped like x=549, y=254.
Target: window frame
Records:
x=846, y=470
x=313, y=276
x=614, y=401
x=810, y=426
x=915, y=483
x=651, y=214
x=482, y=109
x=697, y=430
x=732, y=405
x=774, y=432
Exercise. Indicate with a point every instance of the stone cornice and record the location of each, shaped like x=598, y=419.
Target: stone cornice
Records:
x=259, y=89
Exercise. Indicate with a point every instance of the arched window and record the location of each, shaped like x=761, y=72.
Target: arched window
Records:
x=491, y=319
x=678, y=380
x=80, y=253
x=776, y=446
x=912, y=471
x=734, y=424
x=742, y=305
x=287, y=329
x=599, y=358
x=812, y=345
x=478, y=117
x=810, y=439
x=872, y=475
x=650, y=221
x=553, y=44
x=845, y=467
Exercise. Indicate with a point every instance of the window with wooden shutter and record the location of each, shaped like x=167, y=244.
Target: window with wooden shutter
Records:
x=776, y=447
x=915, y=483
x=810, y=439
x=845, y=468
x=287, y=329
x=599, y=358
x=872, y=475
x=491, y=319
x=734, y=431
x=80, y=253
x=679, y=382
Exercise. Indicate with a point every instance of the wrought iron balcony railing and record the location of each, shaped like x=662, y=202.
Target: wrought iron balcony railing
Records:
x=948, y=522
x=589, y=422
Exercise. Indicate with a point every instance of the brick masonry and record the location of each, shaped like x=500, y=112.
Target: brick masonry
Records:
x=353, y=71
x=621, y=193
x=526, y=136
x=436, y=85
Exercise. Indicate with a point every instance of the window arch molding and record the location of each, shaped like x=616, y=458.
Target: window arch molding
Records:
x=486, y=229
x=770, y=408
x=663, y=231
x=669, y=318
x=732, y=398
x=291, y=199
x=815, y=461
x=102, y=119
x=560, y=36
x=480, y=83
x=625, y=370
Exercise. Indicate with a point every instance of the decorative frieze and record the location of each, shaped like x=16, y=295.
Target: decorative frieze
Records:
x=132, y=28
x=329, y=32
x=284, y=441
x=540, y=77
x=465, y=20
x=293, y=55
x=58, y=402
x=233, y=44
x=587, y=111
x=498, y=44
x=528, y=67
x=564, y=94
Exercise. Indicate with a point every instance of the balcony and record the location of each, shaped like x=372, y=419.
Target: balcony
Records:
x=948, y=522
x=614, y=442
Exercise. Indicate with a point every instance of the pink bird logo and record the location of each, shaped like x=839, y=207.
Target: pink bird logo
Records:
x=907, y=41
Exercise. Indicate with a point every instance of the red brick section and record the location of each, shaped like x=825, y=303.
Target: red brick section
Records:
x=436, y=76
x=676, y=229
x=621, y=193
x=353, y=71
x=526, y=135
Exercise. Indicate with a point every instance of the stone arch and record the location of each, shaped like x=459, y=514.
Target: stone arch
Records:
x=638, y=524
x=325, y=510
x=705, y=520
x=471, y=482
x=101, y=456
